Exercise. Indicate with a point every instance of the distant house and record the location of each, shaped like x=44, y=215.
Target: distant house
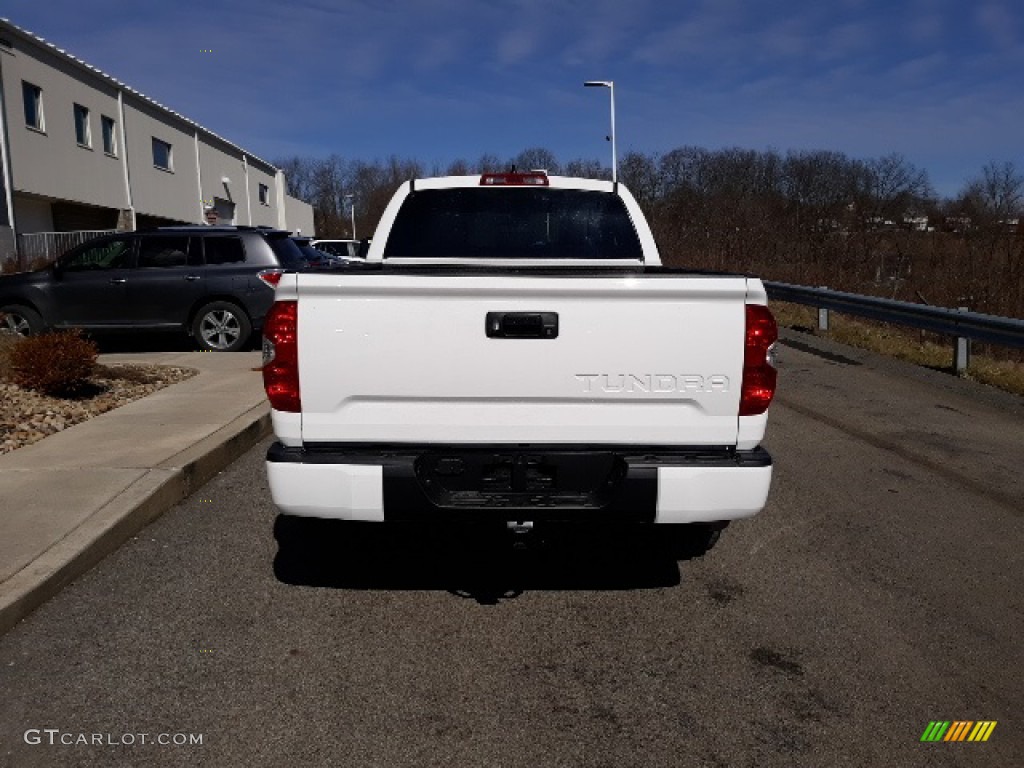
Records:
x=916, y=222
x=958, y=224
x=82, y=153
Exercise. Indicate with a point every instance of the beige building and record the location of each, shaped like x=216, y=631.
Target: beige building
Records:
x=82, y=153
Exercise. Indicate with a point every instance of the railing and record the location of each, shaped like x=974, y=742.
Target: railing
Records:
x=961, y=324
x=42, y=247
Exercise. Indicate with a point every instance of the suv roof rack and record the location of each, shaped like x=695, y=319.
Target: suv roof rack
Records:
x=214, y=228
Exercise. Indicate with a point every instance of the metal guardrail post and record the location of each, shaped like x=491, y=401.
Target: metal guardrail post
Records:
x=962, y=324
x=962, y=351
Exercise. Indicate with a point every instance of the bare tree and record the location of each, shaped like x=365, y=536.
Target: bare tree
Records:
x=587, y=169
x=998, y=192
x=458, y=168
x=489, y=163
x=890, y=186
x=298, y=176
x=640, y=174
x=328, y=189
x=989, y=210
x=888, y=190
x=536, y=159
x=819, y=184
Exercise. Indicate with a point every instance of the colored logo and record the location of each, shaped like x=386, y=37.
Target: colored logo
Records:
x=959, y=730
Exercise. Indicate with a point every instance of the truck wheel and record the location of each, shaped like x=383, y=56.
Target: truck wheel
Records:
x=687, y=542
x=221, y=327
x=21, y=320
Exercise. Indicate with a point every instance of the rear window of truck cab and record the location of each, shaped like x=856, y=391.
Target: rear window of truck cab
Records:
x=513, y=223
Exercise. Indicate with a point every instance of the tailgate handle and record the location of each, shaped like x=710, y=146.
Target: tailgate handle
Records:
x=522, y=325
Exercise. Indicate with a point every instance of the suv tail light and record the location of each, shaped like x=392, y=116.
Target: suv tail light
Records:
x=759, y=374
x=281, y=356
x=271, y=277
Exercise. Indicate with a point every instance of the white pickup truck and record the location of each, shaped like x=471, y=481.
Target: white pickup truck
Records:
x=512, y=351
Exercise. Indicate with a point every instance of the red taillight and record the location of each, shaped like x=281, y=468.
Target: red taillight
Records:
x=531, y=179
x=281, y=356
x=271, y=276
x=759, y=375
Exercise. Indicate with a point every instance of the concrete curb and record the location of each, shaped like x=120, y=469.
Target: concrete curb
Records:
x=130, y=511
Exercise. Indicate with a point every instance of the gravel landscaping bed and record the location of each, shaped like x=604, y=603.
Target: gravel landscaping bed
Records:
x=27, y=417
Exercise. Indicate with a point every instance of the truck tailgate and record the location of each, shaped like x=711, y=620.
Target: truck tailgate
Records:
x=406, y=358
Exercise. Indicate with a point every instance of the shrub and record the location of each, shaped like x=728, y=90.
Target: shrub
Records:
x=58, y=364
x=8, y=339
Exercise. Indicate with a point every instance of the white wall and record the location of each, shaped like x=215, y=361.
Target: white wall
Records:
x=51, y=162
x=263, y=215
x=298, y=216
x=217, y=162
x=171, y=194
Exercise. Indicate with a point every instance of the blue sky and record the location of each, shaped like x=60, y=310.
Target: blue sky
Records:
x=936, y=80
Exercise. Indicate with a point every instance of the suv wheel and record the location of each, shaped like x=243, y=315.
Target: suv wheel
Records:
x=221, y=327
x=21, y=320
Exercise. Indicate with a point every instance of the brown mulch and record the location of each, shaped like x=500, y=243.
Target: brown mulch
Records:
x=27, y=417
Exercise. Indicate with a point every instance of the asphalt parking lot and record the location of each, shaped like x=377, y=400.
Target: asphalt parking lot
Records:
x=879, y=591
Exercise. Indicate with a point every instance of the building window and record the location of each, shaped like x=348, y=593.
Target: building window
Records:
x=162, y=155
x=82, y=133
x=109, y=137
x=33, y=96
x=264, y=194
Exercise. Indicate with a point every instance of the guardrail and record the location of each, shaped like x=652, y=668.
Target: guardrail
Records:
x=961, y=324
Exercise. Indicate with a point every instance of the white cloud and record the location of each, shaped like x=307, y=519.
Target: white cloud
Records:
x=848, y=39
x=438, y=51
x=516, y=45
x=998, y=23
x=788, y=38
x=714, y=31
x=925, y=26
x=920, y=70
x=607, y=29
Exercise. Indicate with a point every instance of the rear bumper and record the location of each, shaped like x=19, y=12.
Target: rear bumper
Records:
x=535, y=483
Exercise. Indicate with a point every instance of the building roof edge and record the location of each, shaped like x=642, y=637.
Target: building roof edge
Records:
x=97, y=72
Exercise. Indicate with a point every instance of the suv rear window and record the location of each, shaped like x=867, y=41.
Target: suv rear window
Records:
x=287, y=252
x=519, y=223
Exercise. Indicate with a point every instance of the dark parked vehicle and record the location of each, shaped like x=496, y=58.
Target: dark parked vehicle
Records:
x=348, y=250
x=315, y=257
x=216, y=283
x=344, y=249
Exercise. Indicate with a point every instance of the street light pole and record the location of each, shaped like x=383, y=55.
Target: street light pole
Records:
x=352, y=213
x=610, y=85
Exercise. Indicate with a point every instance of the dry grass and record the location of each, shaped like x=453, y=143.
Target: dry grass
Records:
x=901, y=343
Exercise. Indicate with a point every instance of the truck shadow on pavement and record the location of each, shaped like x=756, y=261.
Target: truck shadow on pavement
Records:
x=484, y=564
x=134, y=341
